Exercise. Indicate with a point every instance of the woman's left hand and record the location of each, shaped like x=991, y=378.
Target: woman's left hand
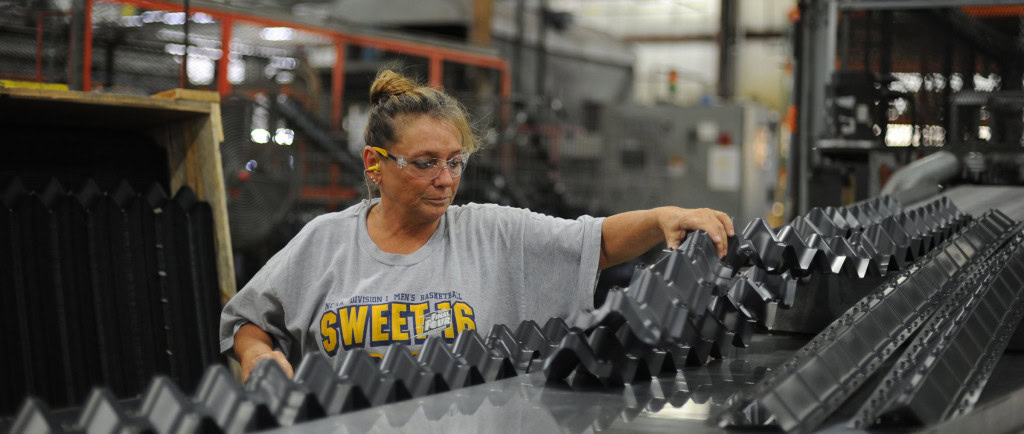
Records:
x=675, y=222
x=627, y=235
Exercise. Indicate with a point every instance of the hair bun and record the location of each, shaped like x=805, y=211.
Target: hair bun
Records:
x=387, y=84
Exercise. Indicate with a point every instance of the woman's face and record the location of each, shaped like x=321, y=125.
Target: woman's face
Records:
x=421, y=138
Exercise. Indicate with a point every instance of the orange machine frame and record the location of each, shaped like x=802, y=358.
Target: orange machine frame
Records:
x=435, y=55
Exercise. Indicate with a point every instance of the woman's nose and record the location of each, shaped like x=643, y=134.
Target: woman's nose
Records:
x=444, y=177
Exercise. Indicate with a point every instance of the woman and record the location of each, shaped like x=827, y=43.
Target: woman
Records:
x=411, y=265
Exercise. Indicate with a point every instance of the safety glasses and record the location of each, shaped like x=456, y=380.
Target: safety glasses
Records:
x=427, y=168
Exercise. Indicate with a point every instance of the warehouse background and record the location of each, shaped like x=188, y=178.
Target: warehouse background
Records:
x=762, y=109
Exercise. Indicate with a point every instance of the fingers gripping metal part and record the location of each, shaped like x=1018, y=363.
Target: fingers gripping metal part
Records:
x=674, y=300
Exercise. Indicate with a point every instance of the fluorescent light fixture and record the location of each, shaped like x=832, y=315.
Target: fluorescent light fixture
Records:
x=236, y=71
x=260, y=135
x=200, y=70
x=277, y=33
x=201, y=18
x=284, y=136
x=174, y=18
x=899, y=135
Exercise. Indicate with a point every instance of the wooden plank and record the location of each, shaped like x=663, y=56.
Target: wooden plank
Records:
x=108, y=99
x=210, y=170
x=190, y=95
x=32, y=85
x=200, y=96
x=193, y=153
x=218, y=125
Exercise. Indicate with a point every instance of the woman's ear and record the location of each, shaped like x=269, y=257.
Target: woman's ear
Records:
x=371, y=160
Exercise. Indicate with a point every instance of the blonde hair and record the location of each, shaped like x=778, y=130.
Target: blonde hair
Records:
x=393, y=98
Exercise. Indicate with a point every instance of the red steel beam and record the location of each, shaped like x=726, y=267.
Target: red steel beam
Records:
x=337, y=83
x=434, y=72
x=222, y=14
x=428, y=51
x=506, y=90
x=39, y=47
x=87, y=49
x=436, y=55
x=410, y=48
x=223, y=85
x=329, y=193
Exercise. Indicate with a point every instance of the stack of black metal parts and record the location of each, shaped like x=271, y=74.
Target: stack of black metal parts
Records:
x=693, y=306
x=689, y=303
x=270, y=399
x=103, y=288
x=688, y=307
x=917, y=351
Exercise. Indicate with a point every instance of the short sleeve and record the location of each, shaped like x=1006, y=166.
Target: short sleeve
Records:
x=261, y=303
x=560, y=263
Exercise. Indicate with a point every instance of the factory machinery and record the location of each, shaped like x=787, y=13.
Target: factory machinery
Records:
x=682, y=347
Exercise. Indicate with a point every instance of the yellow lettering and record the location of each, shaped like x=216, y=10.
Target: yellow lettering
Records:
x=397, y=321
x=449, y=333
x=464, y=319
x=418, y=312
x=378, y=323
x=352, y=322
x=329, y=332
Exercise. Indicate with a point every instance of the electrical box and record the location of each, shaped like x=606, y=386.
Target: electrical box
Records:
x=724, y=157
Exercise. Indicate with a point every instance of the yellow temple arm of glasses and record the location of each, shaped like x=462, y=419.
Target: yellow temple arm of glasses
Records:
x=381, y=151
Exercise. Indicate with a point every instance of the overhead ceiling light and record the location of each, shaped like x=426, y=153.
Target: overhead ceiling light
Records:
x=277, y=33
x=201, y=18
x=174, y=18
x=284, y=136
x=260, y=135
x=236, y=71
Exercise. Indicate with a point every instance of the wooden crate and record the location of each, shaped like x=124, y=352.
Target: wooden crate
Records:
x=185, y=122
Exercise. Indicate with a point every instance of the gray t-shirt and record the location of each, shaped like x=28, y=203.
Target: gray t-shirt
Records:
x=331, y=289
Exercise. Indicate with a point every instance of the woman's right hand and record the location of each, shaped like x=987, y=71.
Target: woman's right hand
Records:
x=252, y=344
x=249, y=363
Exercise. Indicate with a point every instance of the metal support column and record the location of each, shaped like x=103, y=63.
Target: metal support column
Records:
x=338, y=83
x=79, y=18
x=223, y=64
x=818, y=28
x=542, y=48
x=517, y=51
x=728, y=46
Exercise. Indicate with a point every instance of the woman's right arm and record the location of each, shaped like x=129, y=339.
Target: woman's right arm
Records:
x=252, y=344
